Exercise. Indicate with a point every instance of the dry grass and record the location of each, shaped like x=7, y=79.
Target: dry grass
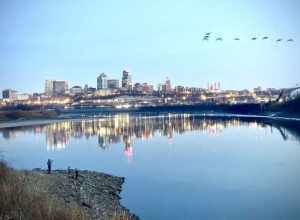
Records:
x=16, y=202
x=19, y=201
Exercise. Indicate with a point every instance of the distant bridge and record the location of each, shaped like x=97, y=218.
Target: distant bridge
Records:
x=288, y=94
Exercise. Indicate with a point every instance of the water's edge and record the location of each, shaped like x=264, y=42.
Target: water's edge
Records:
x=31, y=122
x=96, y=193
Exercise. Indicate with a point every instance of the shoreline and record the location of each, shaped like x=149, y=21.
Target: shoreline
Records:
x=61, y=118
x=96, y=194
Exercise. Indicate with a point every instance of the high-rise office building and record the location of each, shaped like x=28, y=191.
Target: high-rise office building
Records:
x=168, y=85
x=126, y=80
x=113, y=84
x=85, y=88
x=59, y=87
x=49, y=87
x=102, y=81
x=165, y=87
x=55, y=87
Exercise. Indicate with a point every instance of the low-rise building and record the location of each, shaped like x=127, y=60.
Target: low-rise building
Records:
x=104, y=92
x=76, y=90
x=23, y=97
x=9, y=94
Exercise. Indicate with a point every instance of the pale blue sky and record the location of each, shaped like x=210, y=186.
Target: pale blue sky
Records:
x=76, y=40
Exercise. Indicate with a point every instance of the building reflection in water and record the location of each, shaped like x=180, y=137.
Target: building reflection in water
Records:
x=125, y=128
x=128, y=150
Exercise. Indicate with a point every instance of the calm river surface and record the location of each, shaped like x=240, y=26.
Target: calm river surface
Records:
x=176, y=166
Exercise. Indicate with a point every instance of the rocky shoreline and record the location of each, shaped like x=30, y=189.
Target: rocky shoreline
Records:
x=96, y=194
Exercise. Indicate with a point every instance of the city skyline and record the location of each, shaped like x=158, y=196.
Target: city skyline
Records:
x=212, y=85
x=74, y=41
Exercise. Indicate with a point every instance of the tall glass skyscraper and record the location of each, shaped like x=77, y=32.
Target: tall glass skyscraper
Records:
x=102, y=81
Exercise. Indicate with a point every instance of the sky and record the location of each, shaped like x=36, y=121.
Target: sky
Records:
x=77, y=40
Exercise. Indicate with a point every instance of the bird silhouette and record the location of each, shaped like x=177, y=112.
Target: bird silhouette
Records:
x=208, y=35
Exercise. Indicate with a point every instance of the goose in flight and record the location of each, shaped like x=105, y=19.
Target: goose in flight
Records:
x=205, y=38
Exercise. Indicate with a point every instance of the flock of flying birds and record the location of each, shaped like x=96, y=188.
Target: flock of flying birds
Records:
x=208, y=36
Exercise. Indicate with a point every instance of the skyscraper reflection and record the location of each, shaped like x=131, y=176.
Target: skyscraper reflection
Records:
x=128, y=150
x=125, y=128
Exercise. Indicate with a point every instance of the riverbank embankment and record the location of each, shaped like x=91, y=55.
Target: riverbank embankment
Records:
x=35, y=194
x=20, y=115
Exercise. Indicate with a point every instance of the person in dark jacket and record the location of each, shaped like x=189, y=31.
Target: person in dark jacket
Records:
x=76, y=174
x=49, y=165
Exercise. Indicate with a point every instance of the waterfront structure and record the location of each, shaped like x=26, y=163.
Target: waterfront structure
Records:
x=102, y=81
x=126, y=80
x=113, y=84
x=9, y=94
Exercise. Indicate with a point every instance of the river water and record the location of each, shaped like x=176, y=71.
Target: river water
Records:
x=177, y=166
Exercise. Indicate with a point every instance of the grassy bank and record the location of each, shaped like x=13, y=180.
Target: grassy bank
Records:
x=35, y=195
x=287, y=108
x=19, y=201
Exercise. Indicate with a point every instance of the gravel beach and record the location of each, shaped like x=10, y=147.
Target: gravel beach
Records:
x=97, y=194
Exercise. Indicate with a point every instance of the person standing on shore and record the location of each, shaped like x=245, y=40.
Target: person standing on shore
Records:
x=76, y=174
x=49, y=164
